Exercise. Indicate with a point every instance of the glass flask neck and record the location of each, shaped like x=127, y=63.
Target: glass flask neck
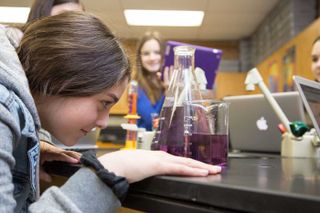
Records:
x=184, y=57
x=184, y=86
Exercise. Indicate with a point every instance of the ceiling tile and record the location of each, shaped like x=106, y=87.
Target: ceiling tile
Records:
x=224, y=20
x=102, y=5
x=241, y=5
x=165, y=4
x=15, y=3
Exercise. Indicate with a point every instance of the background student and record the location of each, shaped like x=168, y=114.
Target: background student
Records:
x=44, y=8
x=315, y=56
x=151, y=90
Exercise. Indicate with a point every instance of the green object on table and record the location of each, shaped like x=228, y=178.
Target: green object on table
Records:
x=298, y=128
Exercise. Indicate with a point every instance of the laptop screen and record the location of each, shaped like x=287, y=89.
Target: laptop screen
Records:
x=313, y=97
x=254, y=124
x=310, y=94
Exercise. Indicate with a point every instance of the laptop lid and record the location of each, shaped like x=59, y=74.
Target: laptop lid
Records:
x=254, y=124
x=310, y=94
x=87, y=142
x=208, y=59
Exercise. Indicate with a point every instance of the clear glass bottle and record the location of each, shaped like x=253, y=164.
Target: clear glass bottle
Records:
x=175, y=120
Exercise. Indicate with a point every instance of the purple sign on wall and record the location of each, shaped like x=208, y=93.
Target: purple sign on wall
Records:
x=206, y=58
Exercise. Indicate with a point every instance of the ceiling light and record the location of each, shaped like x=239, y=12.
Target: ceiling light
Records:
x=14, y=14
x=164, y=18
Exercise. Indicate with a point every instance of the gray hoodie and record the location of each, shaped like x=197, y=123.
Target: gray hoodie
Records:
x=19, y=152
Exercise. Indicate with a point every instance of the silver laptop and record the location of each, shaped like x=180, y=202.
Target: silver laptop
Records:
x=254, y=124
x=87, y=142
x=310, y=94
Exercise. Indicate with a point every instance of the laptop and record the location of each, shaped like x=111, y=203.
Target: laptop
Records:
x=254, y=125
x=85, y=143
x=208, y=59
x=310, y=94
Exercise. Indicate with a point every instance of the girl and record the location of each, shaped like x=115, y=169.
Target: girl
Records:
x=41, y=9
x=44, y=8
x=68, y=71
x=315, y=56
x=151, y=88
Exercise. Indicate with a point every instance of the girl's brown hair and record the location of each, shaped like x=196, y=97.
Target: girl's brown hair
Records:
x=148, y=81
x=71, y=54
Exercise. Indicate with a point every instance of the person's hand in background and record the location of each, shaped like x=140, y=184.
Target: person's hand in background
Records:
x=49, y=152
x=136, y=165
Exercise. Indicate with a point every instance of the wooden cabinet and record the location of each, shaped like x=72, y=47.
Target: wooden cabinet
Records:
x=121, y=108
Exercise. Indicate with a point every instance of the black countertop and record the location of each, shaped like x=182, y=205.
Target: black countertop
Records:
x=249, y=183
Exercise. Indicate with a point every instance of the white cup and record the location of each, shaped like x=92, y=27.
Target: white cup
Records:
x=146, y=140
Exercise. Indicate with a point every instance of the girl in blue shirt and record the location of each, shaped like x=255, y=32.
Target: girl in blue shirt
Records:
x=151, y=88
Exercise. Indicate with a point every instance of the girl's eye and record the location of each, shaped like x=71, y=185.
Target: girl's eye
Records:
x=106, y=104
x=314, y=59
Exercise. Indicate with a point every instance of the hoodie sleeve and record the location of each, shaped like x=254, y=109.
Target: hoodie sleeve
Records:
x=9, y=60
x=83, y=192
x=7, y=200
x=15, y=35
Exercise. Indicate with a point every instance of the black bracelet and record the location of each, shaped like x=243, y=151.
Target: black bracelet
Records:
x=118, y=184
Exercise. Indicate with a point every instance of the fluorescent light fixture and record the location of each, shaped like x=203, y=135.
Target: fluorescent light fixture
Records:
x=164, y=18
x=14, y=14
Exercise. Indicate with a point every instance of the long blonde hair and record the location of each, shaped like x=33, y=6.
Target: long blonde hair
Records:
x=149, y=82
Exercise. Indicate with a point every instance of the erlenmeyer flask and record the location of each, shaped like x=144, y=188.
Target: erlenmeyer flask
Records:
x=175, y=120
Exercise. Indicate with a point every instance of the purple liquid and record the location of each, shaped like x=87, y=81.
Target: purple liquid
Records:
x=171, y=133
x=212, y=149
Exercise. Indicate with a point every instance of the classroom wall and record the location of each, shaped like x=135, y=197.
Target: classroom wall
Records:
x=275, y=64
x=276, y=70
x=230, y=84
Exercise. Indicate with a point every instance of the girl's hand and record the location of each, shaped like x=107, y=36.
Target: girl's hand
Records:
x=49, y=152
x=136, y=165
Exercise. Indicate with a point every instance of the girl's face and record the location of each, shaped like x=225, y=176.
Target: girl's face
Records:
x=315, y=65
x=70, y=6
x=70, y=118
x=151, y=56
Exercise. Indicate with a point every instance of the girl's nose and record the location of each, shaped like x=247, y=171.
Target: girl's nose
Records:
x=103, y=121
x=152, y=56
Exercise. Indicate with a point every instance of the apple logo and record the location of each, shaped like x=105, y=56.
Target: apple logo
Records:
x=262, y=124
